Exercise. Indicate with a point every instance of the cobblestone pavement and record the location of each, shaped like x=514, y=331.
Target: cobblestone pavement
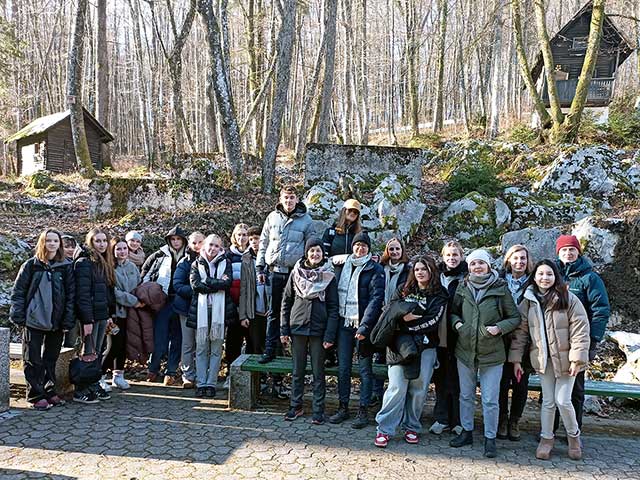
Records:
x=153, y=432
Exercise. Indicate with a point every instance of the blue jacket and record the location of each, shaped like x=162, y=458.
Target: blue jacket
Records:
x=181, y=285
x=589, y=288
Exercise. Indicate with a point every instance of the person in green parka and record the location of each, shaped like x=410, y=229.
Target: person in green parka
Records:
x=482, y=312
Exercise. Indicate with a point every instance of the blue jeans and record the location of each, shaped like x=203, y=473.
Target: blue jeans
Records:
x=404, y=399
x=208, y=356
x=188, y=356
x=490, y=388
x=278, y=283
x=346, y=344
x=167, y=340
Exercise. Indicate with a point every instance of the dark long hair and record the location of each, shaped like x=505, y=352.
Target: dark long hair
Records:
x=411, y=285
x=559, y=289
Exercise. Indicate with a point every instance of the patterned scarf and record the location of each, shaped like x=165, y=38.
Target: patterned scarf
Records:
x=311, y=283
x=348, y=290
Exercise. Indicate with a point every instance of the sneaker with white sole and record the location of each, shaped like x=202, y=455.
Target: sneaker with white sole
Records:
x=86, y=397
x=437, y=428
x=382, y=440
x=120, y=382
x=104, y=385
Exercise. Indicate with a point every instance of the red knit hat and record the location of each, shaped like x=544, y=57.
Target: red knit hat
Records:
x=567, y=241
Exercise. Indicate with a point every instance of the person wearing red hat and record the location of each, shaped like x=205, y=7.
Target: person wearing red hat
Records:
x=588, y=286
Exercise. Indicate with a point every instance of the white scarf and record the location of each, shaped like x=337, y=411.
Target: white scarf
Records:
x=215, y=330
x=348, y=290
x=392, y=273
x=164, y=272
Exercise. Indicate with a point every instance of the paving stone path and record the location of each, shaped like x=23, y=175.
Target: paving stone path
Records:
x=153, y=432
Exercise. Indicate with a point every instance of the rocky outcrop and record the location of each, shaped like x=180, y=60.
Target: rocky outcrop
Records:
x=541, y=242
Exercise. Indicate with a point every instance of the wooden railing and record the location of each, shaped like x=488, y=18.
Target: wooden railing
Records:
x=600, y=91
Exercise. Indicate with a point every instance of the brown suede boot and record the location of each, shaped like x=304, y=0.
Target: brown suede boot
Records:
x=575, y=448
x=514, y=430
x=543, y=452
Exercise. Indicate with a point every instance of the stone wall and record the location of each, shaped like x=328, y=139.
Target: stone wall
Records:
x=326, y=162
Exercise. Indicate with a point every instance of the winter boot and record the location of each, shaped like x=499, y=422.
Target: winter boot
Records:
x=543, y=452
x=362, y=420
x=575, y=447
x=465, y=438
x=503, y=427
x=341, y=415
x=514, y=430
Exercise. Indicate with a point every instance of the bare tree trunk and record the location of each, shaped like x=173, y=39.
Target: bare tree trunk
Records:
x=438, y=118
x=547, y=56
x=324, y=102
x=364, y=75
x=283, y=73
x=496, y=74
x=74, y=93
x=222, y=89
x=102, y=77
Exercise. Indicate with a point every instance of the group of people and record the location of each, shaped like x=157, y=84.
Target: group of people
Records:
x=448, y=319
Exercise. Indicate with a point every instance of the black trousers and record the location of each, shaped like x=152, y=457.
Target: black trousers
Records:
x=236, y=335
x=118, y=352
x=447, y=408
x=278, y=283
x=257, y=334
x=518, y=395
x=301, y=345
x=39, y=363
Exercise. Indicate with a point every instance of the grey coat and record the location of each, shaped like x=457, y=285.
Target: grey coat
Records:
x=283, y=238
x=127, y=279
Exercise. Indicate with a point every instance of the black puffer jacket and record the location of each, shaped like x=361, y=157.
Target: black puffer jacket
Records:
x=336, y=242
x=95, y=299
x=62, y=286
x=211, y=285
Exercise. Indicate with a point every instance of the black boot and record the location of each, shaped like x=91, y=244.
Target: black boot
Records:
x=266, y=357
x=362, y=420
x=503, y=427
x=341, y=415
x=490, y=447
x=465, y=438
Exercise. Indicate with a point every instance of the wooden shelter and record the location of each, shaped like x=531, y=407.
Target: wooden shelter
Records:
x=569, y=47
x=46, y=143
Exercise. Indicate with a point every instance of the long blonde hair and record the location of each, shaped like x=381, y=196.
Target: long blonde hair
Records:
x=236, y=229
x=41, y=248
x=104, y=261
x=513, y=249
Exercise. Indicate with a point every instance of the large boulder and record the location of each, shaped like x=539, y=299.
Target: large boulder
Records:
x=398, y=206
x=629, y=343
x=595, y=171
x=13, y=252
x=541, y=242
x=598, y=238
x=472, y=220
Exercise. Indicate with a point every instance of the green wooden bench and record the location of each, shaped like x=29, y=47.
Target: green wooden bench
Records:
x=245, y=380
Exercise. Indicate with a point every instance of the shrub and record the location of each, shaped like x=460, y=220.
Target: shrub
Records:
x=624, y=121
x=522, y=133
x=477, y=177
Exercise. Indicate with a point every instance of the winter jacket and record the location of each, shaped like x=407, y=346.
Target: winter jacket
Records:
x=446, y=333
x=140, y=321
x=247, y=303
x=589, y=288
x=95, y=299
x=127, y=279
x=565, y=337
x=476, y=347
x=335, y=243
x=181, y=284
x=210, y=285
x=62, y=292
x=370, y=300
x=310, y=317
x=161, y=265
x=283, y=237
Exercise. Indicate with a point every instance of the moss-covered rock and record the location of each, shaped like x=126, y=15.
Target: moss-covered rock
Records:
x=42, y=182
x=599, y=237
x=13, y=252
x=472, y=219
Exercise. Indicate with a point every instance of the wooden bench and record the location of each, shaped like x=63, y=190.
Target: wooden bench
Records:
x=63, y=385
x=245, y=380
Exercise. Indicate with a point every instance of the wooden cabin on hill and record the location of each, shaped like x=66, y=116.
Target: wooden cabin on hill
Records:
x=569, y=47
x=46, y=143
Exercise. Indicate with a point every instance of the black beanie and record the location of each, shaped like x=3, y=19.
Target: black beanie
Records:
x=361, y=237
x=313, y=242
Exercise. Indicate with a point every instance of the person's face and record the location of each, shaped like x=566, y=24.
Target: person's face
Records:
x=100, y=243
x=242, y=238
x=195, y=243
x=121, y=250
x=288, y=201
x=51, y=244
x=254, y=242
x=421, y=272
x=478, y=267
x=133, y=244
x=518, y=262
x=451, y=257
x=314, y=255
x=568, y=254
x=212, y=248
x=69, y=249
x=544, y=278
x=351, y=215
x=176, y=242
x=360, y=249
x=395, y=251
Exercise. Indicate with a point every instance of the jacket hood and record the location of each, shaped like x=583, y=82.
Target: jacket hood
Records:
x=575, y=269
x=81, y=252
x=299, y=211
x=177, y=230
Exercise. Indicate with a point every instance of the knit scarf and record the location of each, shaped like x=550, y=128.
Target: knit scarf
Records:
x=348, y=289
x=137, y=257
x=311, y=283
x=479, y=284
x=391, y=274
x=515, y=285
x=213, y=301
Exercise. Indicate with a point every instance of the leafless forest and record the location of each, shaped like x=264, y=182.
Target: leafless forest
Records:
x=173, y=76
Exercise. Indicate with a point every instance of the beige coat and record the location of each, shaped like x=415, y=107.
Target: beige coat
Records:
x=565, y=331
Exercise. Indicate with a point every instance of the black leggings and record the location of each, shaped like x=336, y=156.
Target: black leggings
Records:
x=117, y=354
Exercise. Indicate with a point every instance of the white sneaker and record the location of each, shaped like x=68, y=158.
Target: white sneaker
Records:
x=104, y=385
x=120, y=382
x=457, y=430
x=438, y=428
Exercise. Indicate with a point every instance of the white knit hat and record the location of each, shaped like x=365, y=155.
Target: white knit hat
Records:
x=479, y=254
x=133, y=235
